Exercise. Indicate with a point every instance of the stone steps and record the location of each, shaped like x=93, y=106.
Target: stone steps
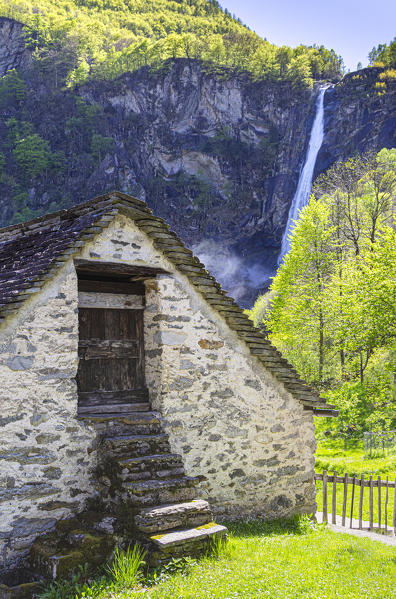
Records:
x=115, y=424
x=159, y=466
x=188, y=541
x=145, y=494
x=157, y=492
x=171, y=522
x=136, y=445
x=169, y=516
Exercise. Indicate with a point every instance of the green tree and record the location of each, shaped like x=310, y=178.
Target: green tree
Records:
x=106, y=39
x=12, y=88
x=297, y=321
x=332, y=306
x=366, y=309
x=101, y=145
x=78, y=75
x=33, y=155
x=384, y=54
x=299, y=71
x=16, y=130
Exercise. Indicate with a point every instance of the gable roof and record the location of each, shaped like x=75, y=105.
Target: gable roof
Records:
x=31, y=253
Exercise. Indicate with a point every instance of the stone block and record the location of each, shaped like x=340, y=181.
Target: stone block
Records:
x=162, y=518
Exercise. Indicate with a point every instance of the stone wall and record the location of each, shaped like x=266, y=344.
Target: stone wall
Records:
x=45, y=452
x=231, y=421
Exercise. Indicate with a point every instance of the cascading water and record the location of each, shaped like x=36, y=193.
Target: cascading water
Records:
x=301, y=197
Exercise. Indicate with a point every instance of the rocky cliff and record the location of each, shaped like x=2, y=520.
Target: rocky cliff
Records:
x=215, y=153
x=13, y=51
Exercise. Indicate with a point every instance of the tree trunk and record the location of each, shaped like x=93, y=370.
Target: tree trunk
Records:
x=321, y=345
x=342, y=363
x=361, y=367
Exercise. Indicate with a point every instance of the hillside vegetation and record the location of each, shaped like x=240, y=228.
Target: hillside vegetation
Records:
x=384, y=54
x=105, y=38
x=331, y=309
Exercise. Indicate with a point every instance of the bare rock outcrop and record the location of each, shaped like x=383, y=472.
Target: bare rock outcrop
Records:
x=13, y=51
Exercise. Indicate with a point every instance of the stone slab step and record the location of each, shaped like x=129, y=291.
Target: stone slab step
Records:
x=181, y=537
x=156, y=492
x=115, y=424
x=130, y=417
x=109, y=408
x=154, y=466
x=137, y=445
x=180, y=515
x=186, y=542
x=128, y=476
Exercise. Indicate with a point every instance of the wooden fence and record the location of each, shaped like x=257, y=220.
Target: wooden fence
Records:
x=359, y=484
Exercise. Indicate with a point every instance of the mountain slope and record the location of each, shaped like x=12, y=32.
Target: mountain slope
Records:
x=105, y=38
x=216, y=152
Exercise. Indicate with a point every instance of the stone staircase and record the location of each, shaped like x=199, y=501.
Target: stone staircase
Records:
x=145, y=496
x=151, y=481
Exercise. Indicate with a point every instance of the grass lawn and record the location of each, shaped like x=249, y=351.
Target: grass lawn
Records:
x=279, y=560
x=331, y=456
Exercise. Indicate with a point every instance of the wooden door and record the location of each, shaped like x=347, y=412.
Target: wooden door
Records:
x=111, y=350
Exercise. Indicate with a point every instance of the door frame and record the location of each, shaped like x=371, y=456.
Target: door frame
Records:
x=126, y=284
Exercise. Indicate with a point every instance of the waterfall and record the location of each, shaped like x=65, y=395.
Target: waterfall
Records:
x=301, y=197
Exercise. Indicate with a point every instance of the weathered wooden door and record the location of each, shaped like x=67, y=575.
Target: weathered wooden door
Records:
x=111, y=347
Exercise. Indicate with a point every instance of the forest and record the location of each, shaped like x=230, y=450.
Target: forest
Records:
x=102, y=39
x=331, y=308
x=49, y=133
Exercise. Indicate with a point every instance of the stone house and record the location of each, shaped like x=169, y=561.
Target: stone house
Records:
x=127, y=374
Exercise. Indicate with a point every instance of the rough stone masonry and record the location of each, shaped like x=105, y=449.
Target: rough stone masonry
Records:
x=231, y=420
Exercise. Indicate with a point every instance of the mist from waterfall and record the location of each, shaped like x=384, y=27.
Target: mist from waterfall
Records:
x=301, y=197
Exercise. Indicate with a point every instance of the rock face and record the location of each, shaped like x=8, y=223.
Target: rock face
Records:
x=217, y=158
x=213, y=152
x=13, y=51
x=356, y=119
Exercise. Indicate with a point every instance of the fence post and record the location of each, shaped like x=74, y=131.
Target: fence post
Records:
x=371, y=498
x=345, y=498
x=361, y=502
x=379, y=503
x=324, y=519
x=386, y=505
x=334, y=500
x=394, y=508
x=353, y=496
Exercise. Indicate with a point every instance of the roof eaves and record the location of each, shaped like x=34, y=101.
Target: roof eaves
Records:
x=74, y=247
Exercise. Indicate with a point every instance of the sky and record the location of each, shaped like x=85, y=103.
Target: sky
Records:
x=350, y=27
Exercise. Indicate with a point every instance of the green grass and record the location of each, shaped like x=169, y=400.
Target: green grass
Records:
x=331, y=456
x=279, y=560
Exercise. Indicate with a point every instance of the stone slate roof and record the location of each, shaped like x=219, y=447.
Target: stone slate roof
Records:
x=32, y=252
